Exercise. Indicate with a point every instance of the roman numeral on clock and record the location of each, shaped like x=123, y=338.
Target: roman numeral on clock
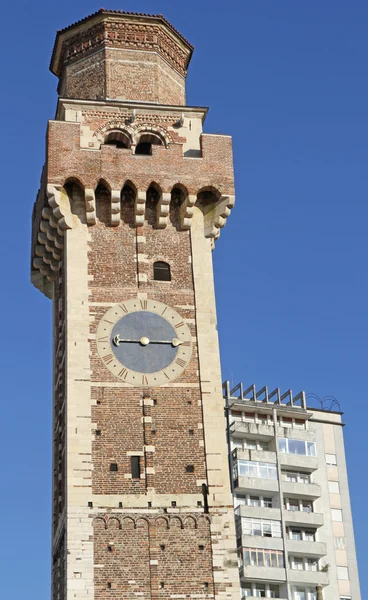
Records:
x=123, y=373
x=180, y=362
x=144, y=304
x=108, y=358
x=181, y=324
x=103, y=339
x=123, y=308
x=185, y=344
x=144, y=380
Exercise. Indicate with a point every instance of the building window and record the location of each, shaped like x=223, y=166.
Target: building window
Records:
x=161, y=271
x=263, y=558
x=249, y=468
x=342, y=573
x=255, y=445
x=258, y=590
x=297, y=477
x=290, y=446
x=302, y=535
x=298, y=505
x=189, y=468
x=261, y=527
x=135, y=467
x=303, y=564
x=146, y=141
x=251, y=500
x=336, y=514
x=333, y=487
x=331, y=459
x=113, y=467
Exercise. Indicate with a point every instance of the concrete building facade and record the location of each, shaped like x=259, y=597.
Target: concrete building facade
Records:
x=133, y=196
x=291, y=497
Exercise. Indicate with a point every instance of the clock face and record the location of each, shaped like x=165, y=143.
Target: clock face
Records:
x=144, y=342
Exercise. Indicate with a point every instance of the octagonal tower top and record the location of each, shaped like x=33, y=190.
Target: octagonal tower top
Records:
x=114, y=55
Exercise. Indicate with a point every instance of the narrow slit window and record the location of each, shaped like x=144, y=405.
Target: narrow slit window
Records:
x=135, y=465
x=161, y=271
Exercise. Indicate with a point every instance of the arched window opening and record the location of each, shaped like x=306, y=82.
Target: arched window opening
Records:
x=161, y=271
x=146, y=141
x=118, y=139
x=207, y=198
x=103, y=204
x=127, y=199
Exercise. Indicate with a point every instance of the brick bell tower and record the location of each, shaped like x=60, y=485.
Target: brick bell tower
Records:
x=132, y=198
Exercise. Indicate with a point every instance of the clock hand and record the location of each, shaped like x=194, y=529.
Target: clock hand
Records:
x=145, y=341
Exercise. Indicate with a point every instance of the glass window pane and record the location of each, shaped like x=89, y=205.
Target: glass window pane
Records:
x=311, y=449
x=296, y=447
x=263, y=471
x=246, y=556
x=274, y=559
x=282, y=445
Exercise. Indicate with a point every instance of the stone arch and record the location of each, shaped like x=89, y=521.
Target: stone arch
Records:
x=142, y=520
x=176, y=522
x=113, y=521
x=100, y=522
x=153, y=201
x=190, y=522
x=127, y=522
x=103, y=202
x=178, y=196
x=162, y=522
x=151, y=130
x=118, y=137
x=128, y=198
x=72, y=197
x=203, y=521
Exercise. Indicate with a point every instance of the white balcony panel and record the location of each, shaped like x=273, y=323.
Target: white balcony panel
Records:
x=304, y=548
x=298, y=462
x=299, y=517
x=263, y=574
x=259, y=512
x=308, y=578
x=256, y=485
x=252, y=430
x=258, y=541
x=256, y=455
x=301, y=490
x=297, y=433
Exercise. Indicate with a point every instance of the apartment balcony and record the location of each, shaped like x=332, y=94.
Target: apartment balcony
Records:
x=301, y=490
x=307, y=549
x=258, y=541
x=297, y=433
x=256, y=455
x=258, y=512
x=252, y=430
x=298, y=462
x=256, y=485
x=263, y=574
x=300, y=517
x=308, y=578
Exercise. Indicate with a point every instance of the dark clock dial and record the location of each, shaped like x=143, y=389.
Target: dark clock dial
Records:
x=144, y=342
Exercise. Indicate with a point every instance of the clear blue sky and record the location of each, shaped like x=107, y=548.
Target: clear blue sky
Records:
x=288, y=79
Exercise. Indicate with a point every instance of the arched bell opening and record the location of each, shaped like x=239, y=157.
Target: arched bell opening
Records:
x=145, y=143
x=207, y=198
x=103, y=203
x=119, y=139
x=74, y=191
x=127, y=202
x=153, y=196
x=178, y=195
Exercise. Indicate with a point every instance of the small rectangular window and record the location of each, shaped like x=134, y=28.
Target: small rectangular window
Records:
x=336, y=514
x=189, y=468
x=135, y=466
x=331, y=459
x=342, y=573
x=113, y=467
x=333, y=487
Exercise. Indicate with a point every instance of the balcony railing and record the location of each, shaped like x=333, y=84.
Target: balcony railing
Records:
x=300, y=517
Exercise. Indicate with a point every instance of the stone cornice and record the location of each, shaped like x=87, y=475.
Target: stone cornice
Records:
x=110, y=29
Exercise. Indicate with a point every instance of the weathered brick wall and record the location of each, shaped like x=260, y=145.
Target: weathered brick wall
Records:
x=117, y=59
x=175, y=550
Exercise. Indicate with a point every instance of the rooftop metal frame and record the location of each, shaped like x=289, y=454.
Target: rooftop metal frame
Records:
x=263, y=396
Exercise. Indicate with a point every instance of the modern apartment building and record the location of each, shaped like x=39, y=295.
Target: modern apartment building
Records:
x=291, y=497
